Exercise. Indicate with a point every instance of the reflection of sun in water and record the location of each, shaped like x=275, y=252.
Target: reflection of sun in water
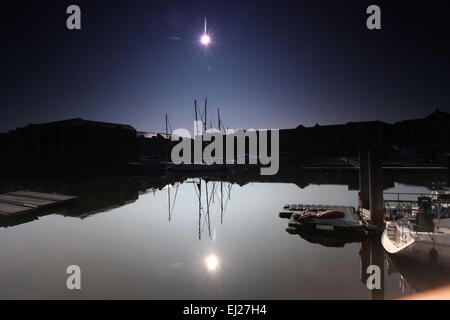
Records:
x=212, y=263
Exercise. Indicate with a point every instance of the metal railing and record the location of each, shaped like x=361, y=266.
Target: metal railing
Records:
x=400, y=204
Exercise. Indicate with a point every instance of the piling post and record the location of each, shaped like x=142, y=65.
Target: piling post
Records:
x=376, y=188
x=364, y=177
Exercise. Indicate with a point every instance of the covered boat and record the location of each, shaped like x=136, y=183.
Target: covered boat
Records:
x=324, y=218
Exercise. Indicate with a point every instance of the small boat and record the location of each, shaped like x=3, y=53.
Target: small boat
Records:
x=425, y=236
x=399, y=238
x=323, y=218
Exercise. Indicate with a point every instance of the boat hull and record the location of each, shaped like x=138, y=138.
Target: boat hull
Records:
x=427, y=247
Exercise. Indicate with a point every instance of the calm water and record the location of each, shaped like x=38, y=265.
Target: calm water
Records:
x=134, y=251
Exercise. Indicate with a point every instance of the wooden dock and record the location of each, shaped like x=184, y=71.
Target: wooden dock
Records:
x=17, y=203
x=349, y=223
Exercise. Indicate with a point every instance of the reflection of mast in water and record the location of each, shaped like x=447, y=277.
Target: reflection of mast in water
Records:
x=198, y=185
x=177, y=184
x=171, y=205
x=209, y=199
x=208, y=219
x=223, y=209
x=222, y=206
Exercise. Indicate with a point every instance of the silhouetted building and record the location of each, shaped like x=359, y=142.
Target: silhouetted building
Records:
x=154, y=145
x=70, y=145
x=81, y=145
x=429, y=136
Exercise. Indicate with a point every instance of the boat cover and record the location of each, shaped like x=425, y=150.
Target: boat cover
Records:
x=350, y=219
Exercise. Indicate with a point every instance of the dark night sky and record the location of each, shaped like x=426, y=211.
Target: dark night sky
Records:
x=271, y=64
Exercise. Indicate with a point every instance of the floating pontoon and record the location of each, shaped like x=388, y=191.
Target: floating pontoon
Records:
x=326, y=218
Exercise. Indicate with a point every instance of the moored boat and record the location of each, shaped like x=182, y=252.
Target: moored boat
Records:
x=426, y=236
x=400, y=239
x=323, y=218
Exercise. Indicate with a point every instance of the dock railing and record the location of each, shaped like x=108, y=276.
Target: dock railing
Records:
x=402, y=202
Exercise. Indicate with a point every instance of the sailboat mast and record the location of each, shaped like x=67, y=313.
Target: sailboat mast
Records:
x=218, y=119
x=206, y=108
x=195, y=107
x=167, y=129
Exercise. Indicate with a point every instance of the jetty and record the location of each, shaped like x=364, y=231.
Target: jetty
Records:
x=18, y=203
x=306, y=216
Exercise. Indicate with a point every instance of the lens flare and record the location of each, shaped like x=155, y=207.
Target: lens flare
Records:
x=205, y=39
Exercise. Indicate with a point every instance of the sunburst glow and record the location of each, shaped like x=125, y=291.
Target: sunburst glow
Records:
x=212, y=263
x=205, y=39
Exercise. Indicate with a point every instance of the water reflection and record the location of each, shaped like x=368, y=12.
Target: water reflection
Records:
x=212, y=263
x=327, y=239
x=158, y=237
x=417, y=276
x=207, y=193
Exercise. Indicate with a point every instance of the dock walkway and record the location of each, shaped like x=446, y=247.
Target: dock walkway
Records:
x=350, y=222
x=17, y=203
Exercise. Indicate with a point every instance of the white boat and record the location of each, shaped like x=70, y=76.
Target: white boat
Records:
x=422, y=238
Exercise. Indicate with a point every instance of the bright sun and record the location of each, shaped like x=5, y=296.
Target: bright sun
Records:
x=205, y=39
